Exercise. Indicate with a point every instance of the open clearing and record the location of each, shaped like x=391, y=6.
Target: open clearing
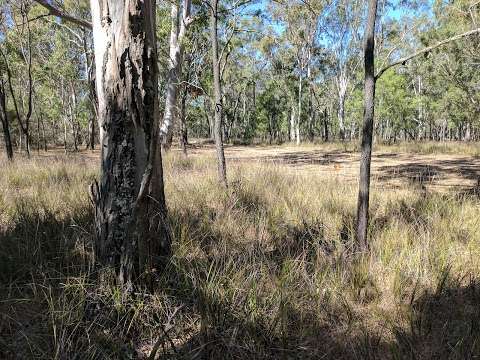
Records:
x=390, y=167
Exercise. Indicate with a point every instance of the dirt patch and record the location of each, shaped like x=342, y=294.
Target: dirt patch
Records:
x=437, y=171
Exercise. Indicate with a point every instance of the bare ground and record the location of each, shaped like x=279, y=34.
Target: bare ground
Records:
x=394, y=169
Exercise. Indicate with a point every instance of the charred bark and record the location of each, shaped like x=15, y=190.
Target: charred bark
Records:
x=130, y=212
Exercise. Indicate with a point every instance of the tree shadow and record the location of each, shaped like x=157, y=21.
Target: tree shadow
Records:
x=40, y=240
x=37, y=254
x=444, y=324
x=231, y=327
x=227, y=330
x=420, y=173
x=414, y=173
x=302, y=158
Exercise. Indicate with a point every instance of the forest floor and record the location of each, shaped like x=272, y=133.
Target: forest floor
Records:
x=438, y=168
x=392, y=166
x=266, y=269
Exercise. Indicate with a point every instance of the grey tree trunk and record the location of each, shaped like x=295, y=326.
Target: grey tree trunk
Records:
x=367, y=132
x=5, y=123
x=325, y=125
x=292, y=123
x=130, y=211
x=73, y=116
x=183, y=122
x=218, y=108
x=342, y=87
x=44, y=135
x=92, y=95
x=299, y=115
x=65, y=134
x=177, y=34
x=91, y=133
x=38, y=134
x=341, y=115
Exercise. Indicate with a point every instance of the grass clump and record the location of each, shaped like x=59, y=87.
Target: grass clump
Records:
x=266, y=269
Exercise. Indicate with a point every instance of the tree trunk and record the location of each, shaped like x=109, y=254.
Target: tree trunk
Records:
x=292, y=123
x=299, y=117
x=65, y=133
x=73, y=117
x=44, y=135
x=311, y=116
x=183, y=123
x=325, y=125
x=218, y=108
x=369, y=109
x=27, y=142
x=342, y=92
x=92, y=95
x=130, y=211
x=38, y=134
x=5, y=124
x=177, y=34
x=91, y=133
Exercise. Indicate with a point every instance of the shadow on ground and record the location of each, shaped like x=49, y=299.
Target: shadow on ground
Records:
x=443, y=324
x=418, y=173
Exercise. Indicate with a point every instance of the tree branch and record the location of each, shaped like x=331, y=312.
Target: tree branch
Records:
x=59, y=13
x=426, y=50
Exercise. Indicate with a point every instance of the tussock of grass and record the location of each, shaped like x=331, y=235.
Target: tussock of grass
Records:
x=265, y=269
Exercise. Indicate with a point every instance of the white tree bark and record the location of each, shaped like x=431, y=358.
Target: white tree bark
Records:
x=292, y=124
x=177, y=36
x=342, y=86
x=130, y=212
x=297, y=124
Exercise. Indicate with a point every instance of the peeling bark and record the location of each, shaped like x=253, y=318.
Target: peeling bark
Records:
x=130, y=212
x=177, y=35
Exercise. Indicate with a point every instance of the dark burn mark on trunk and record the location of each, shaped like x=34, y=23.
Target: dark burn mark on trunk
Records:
x=132, y=232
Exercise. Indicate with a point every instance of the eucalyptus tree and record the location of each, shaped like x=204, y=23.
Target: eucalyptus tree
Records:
x=341, y=31
x=219, y=57
x=130, y=205
x=457, y=65
x=217, y=92
x=22, y=62
x=301, y=20
x=371, y=77
x=5, y=120
x=180, y=21
x=130, y=211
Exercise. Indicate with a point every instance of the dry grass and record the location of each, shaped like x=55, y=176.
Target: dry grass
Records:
x=264, y=270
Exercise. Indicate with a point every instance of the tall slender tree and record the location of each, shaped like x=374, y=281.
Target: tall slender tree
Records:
x=5, y=121
x=217, y=90
x=180, y=21
x=369, y=109
x=367, y=132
